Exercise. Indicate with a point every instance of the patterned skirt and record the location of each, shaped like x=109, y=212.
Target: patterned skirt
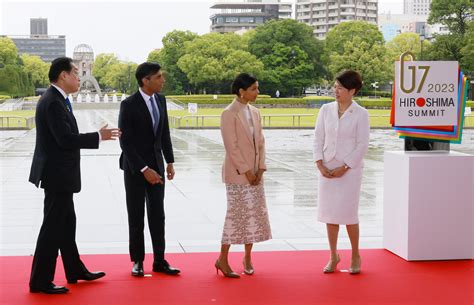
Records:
x=246, y=221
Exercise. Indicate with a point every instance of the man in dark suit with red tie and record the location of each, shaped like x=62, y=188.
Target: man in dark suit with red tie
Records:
x=145, y=139
x=56, y=169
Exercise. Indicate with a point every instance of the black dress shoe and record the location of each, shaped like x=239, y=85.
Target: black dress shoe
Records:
x=88, y=276
x=164, y=267
x=137, y=269
x=50, y=289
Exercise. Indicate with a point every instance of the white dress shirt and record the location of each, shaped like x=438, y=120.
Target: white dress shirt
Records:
x=146, y=98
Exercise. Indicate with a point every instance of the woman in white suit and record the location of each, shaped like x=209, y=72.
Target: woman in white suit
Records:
x=340, y=143
x=246, y=220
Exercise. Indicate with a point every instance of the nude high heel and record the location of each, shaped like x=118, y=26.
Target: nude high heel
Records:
x=248, y=269
x=230, y=274
x=331, y=265
x=355, y=266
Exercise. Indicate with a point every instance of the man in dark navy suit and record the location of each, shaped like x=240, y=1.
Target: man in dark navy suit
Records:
x=56, y=169
x=145, y=139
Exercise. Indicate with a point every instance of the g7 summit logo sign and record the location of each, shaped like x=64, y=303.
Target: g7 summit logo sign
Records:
x=426, y=93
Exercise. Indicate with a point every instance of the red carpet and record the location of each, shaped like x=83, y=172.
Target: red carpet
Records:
x=280, y=278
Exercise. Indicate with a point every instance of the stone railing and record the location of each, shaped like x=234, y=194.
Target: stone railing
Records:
x=16, y=122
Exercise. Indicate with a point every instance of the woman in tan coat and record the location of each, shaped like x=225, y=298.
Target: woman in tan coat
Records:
x=246, y=220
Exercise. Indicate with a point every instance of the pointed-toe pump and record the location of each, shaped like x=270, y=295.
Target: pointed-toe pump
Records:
x=331, y=265
x=248, y=269
x=355, y=266
x=230, y=274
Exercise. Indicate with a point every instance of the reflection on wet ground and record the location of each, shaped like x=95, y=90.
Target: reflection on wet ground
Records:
x=195, y=201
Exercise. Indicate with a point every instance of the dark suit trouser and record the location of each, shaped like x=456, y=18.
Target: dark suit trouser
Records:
x=58, y=232
x=139, y=192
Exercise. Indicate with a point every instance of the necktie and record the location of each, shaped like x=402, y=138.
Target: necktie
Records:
x=68, y=104
x=156, y=115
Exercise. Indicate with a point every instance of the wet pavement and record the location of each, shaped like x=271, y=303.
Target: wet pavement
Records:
x=195, y=201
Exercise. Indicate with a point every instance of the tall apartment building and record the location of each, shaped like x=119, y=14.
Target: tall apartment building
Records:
x=416, y=7
x=323, y=15
x=38, y=26
x=236, y=16
x=39, y=43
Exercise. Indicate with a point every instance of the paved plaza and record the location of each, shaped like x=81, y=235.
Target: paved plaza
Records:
x=195, y=201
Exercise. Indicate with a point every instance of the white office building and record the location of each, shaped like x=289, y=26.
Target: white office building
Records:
x=240, y=16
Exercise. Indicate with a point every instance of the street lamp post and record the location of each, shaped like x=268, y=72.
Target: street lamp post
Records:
x=422, y=38
x=293, y=56
x=375, y=85
x=472, y=89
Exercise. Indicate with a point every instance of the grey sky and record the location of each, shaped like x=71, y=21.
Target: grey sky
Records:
x=130, y=29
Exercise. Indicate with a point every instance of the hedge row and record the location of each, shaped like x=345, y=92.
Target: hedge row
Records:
x=219, y=100
x=375, y=103
x=267, y=101
x=365, y=102
x=206, y=97
x=381, y=102
x=370, y=92
x=316, y=97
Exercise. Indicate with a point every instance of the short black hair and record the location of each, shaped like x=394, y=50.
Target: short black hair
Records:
x=59, y=65
x=242, y=81
x=350, y=79
x=146, y=69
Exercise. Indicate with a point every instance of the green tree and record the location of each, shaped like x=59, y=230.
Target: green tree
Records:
x=357, y=45
x=212, y=60
x=467, y=52
x=346, y=31
x=446, y=47
x=455, y=14
x=168, y=57
x=8, y=52
x=102, y=64
x=37, y=69
x=406, y=42
x=359, y=55
x=112, y=73
x=9, y=80
x=290, y=54
x=121, y=77
x=14, y=80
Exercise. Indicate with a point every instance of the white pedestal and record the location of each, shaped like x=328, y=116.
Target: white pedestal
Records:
x=428, y=205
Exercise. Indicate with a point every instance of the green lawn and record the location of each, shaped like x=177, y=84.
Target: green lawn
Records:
x=378, y=118
x=15, y=119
